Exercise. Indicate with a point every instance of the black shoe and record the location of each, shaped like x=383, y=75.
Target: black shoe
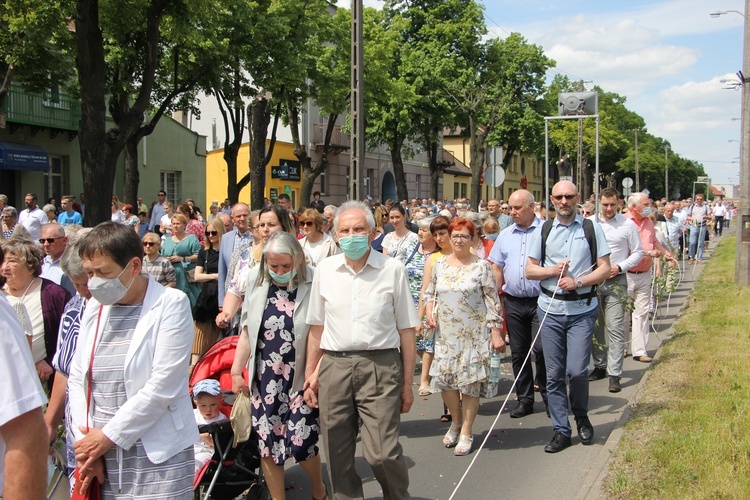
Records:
x=585, y=430
x=522, y=409
x=597, y=374
x=614, y=384
x=558, y=443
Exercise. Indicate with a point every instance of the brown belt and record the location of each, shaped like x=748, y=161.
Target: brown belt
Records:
x=639, y=272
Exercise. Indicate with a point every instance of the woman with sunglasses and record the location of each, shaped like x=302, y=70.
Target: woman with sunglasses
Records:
x=462, y=301
x=401, y=242
x=207, y=306
x=316, y=243
x=154, y=264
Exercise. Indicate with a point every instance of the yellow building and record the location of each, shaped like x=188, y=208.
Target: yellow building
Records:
x=523, y=171
x=283, y=174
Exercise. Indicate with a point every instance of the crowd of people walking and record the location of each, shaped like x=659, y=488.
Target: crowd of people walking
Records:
x=331, y=308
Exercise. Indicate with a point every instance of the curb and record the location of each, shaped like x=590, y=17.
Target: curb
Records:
x=591, y=489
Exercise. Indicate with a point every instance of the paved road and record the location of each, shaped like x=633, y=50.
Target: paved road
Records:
x=513, y=463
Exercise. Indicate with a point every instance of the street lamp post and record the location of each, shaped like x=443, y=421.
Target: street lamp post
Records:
x=742, y=250
x=666, y=172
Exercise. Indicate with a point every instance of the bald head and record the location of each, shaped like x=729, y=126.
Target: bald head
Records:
x=521, y=196
x=227, y=221
x=522, y=206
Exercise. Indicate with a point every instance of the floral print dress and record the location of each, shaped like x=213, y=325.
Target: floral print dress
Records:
x=285, y=425
x=466, y=304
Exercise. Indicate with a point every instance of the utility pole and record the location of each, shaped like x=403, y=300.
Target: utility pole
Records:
x=742, y=251
x=666, y=172
x=637, y=177
x=579, y=173
x=357, y=113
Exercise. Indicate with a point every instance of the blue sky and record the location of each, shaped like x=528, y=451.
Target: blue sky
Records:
x=666, y=57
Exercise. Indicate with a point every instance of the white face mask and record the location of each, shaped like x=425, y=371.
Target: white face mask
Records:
x=108, y=291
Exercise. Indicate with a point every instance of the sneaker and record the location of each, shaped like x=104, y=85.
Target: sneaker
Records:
x=614, y=384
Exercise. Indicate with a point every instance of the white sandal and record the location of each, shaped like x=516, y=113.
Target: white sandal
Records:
x=451, y=437
x=464, y=445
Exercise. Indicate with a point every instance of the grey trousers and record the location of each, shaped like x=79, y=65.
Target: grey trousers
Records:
x=363, y=385
x=609, y=335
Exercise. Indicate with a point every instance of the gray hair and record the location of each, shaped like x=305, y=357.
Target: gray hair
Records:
x=477, y=220
x=49, y=208
x=4, y=199
x=75, y=231
x=71, y=262
x=425, y=222
x=27, y=251
x=11, y=210
x=635, y=199
x=354, y=205
x=281, y=242
x=57, y=228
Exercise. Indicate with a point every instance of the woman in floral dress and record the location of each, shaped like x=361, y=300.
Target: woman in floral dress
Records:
x=272, y=349
x=462, y=301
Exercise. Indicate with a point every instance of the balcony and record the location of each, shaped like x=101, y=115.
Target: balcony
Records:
x=340, y=141
x=52, y=109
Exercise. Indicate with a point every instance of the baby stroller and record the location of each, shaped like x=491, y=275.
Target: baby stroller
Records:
x=230, y=471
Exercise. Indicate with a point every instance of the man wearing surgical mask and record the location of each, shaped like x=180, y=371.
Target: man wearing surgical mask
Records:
x=360, y=356
x=639, y=276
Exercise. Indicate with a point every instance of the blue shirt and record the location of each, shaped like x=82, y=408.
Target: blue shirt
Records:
x=511, y=251
x=567, y=242
x=64, y=219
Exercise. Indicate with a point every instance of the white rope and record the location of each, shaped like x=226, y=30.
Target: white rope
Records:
x=497, y=417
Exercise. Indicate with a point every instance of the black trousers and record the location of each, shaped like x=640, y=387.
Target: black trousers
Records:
x=523, y=324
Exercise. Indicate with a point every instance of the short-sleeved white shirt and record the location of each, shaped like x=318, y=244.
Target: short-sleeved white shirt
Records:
x=361, y=310
x=33, y=220
x=21, y=390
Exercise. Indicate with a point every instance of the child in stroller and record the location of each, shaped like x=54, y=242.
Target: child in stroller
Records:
x=208, y=401
x=229, y=471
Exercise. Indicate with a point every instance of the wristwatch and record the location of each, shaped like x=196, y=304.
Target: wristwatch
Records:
x=579, y=284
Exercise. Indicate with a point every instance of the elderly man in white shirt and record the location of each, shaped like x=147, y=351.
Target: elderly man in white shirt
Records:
x=627, y=251
x=362, y=342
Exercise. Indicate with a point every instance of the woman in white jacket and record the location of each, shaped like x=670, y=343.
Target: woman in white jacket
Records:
x=128, y=383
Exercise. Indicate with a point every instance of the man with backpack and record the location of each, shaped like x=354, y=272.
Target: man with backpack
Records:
x=570, y=256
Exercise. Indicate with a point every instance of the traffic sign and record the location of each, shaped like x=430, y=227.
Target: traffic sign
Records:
x=627, y=182
x=494, y=176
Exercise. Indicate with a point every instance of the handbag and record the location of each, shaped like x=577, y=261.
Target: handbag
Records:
x=94, y=490
x=241, y=419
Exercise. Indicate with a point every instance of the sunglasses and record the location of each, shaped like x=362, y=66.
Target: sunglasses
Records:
x=148, y=243
x=566, y=196
x=212, y=233
x=306, y=223
x=42, y=241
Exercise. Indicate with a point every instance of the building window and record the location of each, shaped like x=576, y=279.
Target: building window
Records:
x=53, y=180
x=463, y=190
x=370, y=181
x=323, y=183
x=419, y=186
x=456, y=189
x=171, y=183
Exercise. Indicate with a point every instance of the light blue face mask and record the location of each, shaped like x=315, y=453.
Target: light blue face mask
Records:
x=283, y=278
x=355, y=246
x=492, y=236
x=646, y=211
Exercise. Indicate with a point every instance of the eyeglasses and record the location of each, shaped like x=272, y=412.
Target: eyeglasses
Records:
x=566, y=196
x=306, y=223
x=149, y=243
x=42, y=241
x=457, y=237
x=161, y=194
x=212, y=233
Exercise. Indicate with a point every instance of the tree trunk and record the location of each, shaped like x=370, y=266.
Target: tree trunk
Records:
x=7, y=80
x=230, y=157
x=97, y=146
x=309, y=176
x=258, y=119
x=476, y=153
x=402, y=192
x=435, y=170
x=132, y=175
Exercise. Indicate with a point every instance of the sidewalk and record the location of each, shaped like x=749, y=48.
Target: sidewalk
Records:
x=513, y=463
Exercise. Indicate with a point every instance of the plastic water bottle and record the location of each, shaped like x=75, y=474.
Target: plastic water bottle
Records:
x=496, y=359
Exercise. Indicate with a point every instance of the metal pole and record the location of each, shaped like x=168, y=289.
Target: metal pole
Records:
x=666, y=173
x=742, y=251
x=545, y=197
x=596, y=174
x=357, y=159
x=637, y=178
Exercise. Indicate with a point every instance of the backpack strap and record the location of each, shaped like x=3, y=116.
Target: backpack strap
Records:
x=590, y=234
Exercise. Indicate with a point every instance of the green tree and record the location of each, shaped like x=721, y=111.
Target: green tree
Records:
x=501, y=101
x=36, y=44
